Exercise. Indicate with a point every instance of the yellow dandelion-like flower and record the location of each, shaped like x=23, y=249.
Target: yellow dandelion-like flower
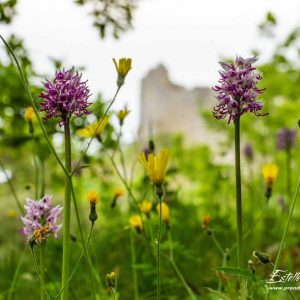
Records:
x=119, y=192
x=94, y=129
x=270, y=173
x=93, y=197
x=123, y=66
x=121, y=115
x=146, y=207
x=156, y=165
x=29, y=114
x=165, y=212
x=136, y=222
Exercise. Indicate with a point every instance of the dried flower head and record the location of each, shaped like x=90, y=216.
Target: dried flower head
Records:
x=122, y=67
x=270, y=173
x=237, y=90
x=286, y=138
x=41, y=220
x=64, y=96
x=136, y=222
x=121, y=115
x=156, y=165
x=94, y=129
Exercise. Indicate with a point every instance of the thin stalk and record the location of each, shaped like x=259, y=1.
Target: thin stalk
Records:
x=252, y=227
x=288, y=172
x=67, y=213
x=113, y=292
x=38, y=273
x=127, y=188
x=217, y=244
x=93, y=272
x=158, y=247
x=287, y=225
x=43, y=179
x=133, y=262
x=42, y=267
x=174, y=265
x=36, y=175
x=238, y=194
x=77, y=264
x=26, y=86
x=16, y=274
x=12, y=189
x=92, y=138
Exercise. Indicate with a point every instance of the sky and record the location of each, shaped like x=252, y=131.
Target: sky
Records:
x=189, y=37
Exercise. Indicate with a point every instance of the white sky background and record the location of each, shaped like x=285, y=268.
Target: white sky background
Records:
x=188, y=36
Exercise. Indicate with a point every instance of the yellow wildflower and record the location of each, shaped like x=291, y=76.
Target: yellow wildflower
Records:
x=136, y=222
x=29, y=114
x=121, y=115
x=270, y=173
x=165, y=212
x=122, y=67
x=156, y=165
x=119, y=192
x=145, y=207
x=93, y=197
x=94, y=129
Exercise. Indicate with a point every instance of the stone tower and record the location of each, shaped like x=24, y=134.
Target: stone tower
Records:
x=167, y=108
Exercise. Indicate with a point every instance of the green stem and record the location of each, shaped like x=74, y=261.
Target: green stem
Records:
x=238, y=194
x=43, y=179
x=16, y=274
x=113, y=292
x=36, y=166
x=25, y=84
x=174, y=265
x=67, y=213
x=11, y=187
x=77, y=264
x=39, y=274
x=288, y=172
x=287, y=225
x=158, y=247
x=93, y=272
x=92, y=138
x=217, y=244
x=42, y=267
x=133, y=262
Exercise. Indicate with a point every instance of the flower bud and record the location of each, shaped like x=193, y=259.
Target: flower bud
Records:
x=111, y=280
x=123, y=66
x=262, y=257
x=93, y=214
